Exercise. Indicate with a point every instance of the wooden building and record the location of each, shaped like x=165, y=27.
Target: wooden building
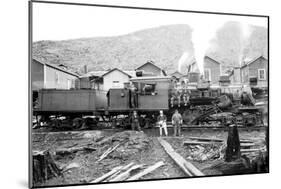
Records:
x=150, y=69
x=212, y=70
x=255, y=72
x=49, y=76
x=111, y=79
x=235, y=76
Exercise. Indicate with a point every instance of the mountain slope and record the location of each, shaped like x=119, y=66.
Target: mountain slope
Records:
x=163, y=45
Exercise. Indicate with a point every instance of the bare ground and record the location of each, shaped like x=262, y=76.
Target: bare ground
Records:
x=89, y=169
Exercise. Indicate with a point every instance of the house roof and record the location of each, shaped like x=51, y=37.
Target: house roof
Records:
x=150, y=78
x=94, y=73
x=128, y=73
x=151, y=63
x=216, y=61
x=55, y=67
x=253, y=60
x=177, y=74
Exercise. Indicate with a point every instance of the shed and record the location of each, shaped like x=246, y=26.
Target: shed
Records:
x=45, y=75
x=150, y=69
x=255, y=72
x=116, y=78
x=212, y=70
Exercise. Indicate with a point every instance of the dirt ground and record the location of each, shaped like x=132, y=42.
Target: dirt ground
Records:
x=141, y=148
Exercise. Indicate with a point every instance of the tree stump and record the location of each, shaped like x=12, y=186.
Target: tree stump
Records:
x=44, y=167
x=233, y=144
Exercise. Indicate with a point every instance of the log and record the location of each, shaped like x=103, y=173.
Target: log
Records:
x=187, y=167
x=147, y=170
x=63, y=151
x=105, y=176
x=123, y=176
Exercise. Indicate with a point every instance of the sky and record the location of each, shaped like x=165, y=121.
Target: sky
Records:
x=60, y=22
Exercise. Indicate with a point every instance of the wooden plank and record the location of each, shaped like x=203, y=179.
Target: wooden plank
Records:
x=187, y=167
x=206, y=139
x=124, y=168
x=186, y=143
x=123, y=176
x=252, y=150
x=147, y=171
x=104, y=155
x=105, y=176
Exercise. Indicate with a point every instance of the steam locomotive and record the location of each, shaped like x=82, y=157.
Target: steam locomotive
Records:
x=198, y=102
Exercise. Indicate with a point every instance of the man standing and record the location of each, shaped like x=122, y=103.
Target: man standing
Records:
x=135, y=121
x=177, y=122
x=161, y=119
x=133, y=95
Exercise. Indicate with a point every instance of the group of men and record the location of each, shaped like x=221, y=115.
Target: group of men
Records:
x=161, y=123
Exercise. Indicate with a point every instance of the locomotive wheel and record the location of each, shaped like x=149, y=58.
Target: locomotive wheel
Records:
x=190, y=115
x=125, y=122
x=77, y=122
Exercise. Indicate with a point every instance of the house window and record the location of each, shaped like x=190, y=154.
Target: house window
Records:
x=261, y=74
x=57, y=79
x=207, y=74
x=116, y=84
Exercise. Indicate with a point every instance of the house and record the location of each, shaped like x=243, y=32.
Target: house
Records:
x=235, y=76
x=177, y=75
x=45, y=75
x=212, y=70
x=255, y=72
x=150, y=69
x=92, y=80
x=114, y=78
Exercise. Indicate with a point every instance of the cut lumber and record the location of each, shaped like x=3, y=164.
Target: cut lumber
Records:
x=123, y=176
x=124, y=168
x=63, y=151
x=206, y=139
x=252, y=150
x=187, y=167
x=147, y=170
x=107, y=152
x=186, y=143
x=247, y=145
x=105, y=176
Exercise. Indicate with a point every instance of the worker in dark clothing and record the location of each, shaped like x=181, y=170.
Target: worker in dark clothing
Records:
x=177, y=122
x=133, y=95
x=161, y=120
x=135, y=122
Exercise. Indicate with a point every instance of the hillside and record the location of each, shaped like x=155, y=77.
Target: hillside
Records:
x=164, y=45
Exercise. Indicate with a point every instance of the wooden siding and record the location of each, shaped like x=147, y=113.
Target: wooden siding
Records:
x=150, y=70
x=48, y=77
x=37, y=75
x=56, y=79
x=115, y=75
x=251, y=70
x=214, y=68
